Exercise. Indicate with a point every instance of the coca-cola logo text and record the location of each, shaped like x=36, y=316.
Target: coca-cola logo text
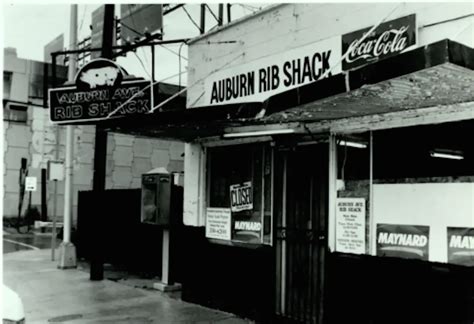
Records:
x=390, y=41
x=387, y=39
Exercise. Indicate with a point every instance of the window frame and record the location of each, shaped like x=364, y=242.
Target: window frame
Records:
x=265, y=148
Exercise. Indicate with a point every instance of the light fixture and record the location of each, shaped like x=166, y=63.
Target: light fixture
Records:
x=447, y=154
x=260, y=133
x=353, y=144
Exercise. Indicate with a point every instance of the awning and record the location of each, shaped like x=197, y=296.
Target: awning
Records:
x=431, y=77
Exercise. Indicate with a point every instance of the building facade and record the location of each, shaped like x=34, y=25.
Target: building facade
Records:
x=29, y=133
x=359, y=148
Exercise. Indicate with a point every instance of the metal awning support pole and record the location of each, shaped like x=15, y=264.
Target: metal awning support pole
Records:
x=67, y=250
x=371, y=197
x=332, y=192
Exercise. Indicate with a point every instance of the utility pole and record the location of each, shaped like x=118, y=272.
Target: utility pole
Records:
x=100, y=158
x=67, y=250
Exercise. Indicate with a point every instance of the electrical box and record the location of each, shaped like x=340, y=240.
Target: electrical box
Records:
x=161, y=199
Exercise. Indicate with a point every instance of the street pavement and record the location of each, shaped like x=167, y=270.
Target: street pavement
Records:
x=68, y=296
x=13, y=241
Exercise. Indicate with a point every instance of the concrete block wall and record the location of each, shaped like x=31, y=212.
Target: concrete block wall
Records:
x=36, y=141
x=288, y=26
x=128, y=157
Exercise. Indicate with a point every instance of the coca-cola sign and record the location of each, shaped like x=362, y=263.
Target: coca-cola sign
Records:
x=388, y=39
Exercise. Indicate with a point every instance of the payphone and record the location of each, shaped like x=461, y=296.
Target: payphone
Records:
x=161, y=201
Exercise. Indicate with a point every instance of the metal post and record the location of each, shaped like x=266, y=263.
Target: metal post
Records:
x=100, y=155
x=67, y=252
x=220, y=15
x=45, y=85
x=371, y=196
x=203, y=18
x=165, y=257
x=283, y=242
x=53, y=69
x=228, y=13
x=53, y=233
x=44, y=203
x=153, y=63
x=332, y=192
x=152, y=87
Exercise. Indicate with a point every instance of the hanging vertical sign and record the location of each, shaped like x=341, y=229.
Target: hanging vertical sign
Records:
x=388, y=39
x=403, y=241
x=350, y=225
x=461, y=245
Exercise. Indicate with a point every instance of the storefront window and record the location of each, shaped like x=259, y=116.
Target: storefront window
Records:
x=423, y=192
x=240, y=185
x=411, y=192
x=353, y=194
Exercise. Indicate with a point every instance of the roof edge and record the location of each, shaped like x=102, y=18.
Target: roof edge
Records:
x=235, y=22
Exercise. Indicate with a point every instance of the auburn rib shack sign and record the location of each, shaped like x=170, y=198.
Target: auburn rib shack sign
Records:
x=388, y=39
x=99, y=92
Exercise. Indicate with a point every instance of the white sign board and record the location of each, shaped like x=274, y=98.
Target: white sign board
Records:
x=350, y=225
x=55, y=170
x=30, y=183
x=218, y=222
x=257, y=80
x=444, y=207
x=241, y=197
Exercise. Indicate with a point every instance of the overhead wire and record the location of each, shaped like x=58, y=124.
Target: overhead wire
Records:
x=248, y=7
x=139, y=93
x=174, y=52
x=135, y=30
x=238, y=56
x=195, y=82
x=82, y=19
x=191, y=18
x=212, y=13
x=176, y=94
x=143, y=65
x=179, y=62
x=344, y=56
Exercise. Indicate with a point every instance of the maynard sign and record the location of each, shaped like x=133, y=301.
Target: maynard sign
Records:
x=403, y=241
x=99, y=91
x=461, y=245
x=388, y=39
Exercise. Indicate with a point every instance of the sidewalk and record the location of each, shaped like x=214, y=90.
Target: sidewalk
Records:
x=68, y=296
